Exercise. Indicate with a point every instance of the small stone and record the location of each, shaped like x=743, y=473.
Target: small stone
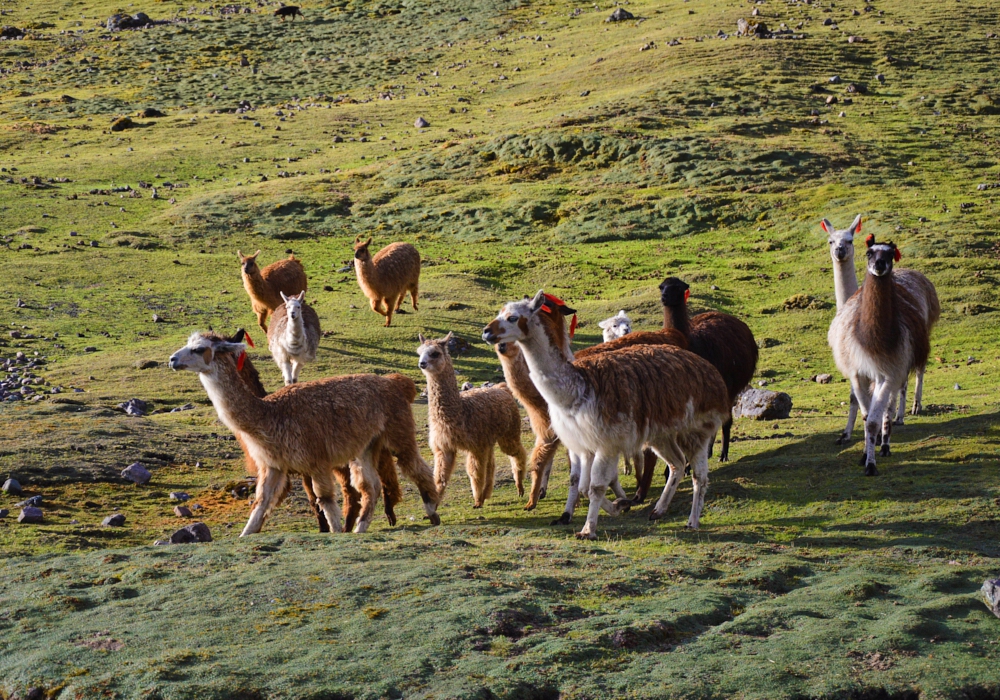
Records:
x=584, y=93
x=182, y=511
x=137, y=474
x=116, y=520
x=185, y=407
x=35, y=501
x=834, y=79
x=620, y=15
x=20, y=304
x=991, y=592
x=146, y=364
x=11, y=486
x=195, y=532
x=831, y=100
x=90, y=348
x=4, y=513
x=30, y=515
x=157, y=318
x=761, y=404
x=957, y=387
x=179, y=496
x=134, y=407
x=160, y=543
x=16, y=335
x=421, y=123
x=824, y=378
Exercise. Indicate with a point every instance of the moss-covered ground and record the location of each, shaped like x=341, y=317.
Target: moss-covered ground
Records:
x=565, y=152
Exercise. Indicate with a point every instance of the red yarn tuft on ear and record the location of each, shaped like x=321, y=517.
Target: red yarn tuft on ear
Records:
x=240, y=361
x=572, y=327
x=858, y=229
x=249, y=339
x=822, y=225
x=687, y=295
x=898, y=255
x=870, y=241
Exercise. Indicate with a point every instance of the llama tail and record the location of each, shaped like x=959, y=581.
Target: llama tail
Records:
x=405, y=385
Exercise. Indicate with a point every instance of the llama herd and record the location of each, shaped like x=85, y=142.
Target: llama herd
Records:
x=640, y=395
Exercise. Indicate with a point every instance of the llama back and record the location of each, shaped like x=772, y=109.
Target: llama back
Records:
x=665, y=337
x=735, y=359
x=286, y=276
x=493, y=406
x=397, y=266
x=403, y=385
x=922, y=291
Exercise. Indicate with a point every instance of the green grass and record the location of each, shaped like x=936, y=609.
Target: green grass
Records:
x=712, y=160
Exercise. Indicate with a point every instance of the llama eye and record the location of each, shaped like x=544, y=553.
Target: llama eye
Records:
x=435, y=354
x=512, y=319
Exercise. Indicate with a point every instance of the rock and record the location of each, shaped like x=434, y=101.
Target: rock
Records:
x=157, y=318
x=35, y=501
x=4, y=513
x=761, y=404
x=824, y=378
x=179, y=496
x=90, y=348
x=620, y=15
x=146, y=364
x=991, y=592
x=185, y=407
x=835, y=79
x=856, y=40
x=7, y=32
x=195, y=532
x=137, y=474
x=30, y=515
x=827, y=22
x=831, y=100
x=12, y=487
x=421, y=123
x=134, y=407
x=116, y=520
x=880, y=77
x=742, y=27
x=467, y=385
x=122, y=123
x=16, y=335
x=151, y=113
x=182, y=511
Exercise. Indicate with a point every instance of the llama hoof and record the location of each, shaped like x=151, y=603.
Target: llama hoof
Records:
x=689, y=526
x=361, y=527
x=885, y=450
x=562, y=519
x=586, y=536
x=391, y=517
x=864, y=459
x=637, y=500
x=476, y=506
x=916, y=410
x=530, y=506
x=520, y=491
x=655, y=515
x=843, y=440
x=541, y=494
x=724, y=457
x=624, y=505
x=878, y=440
x=870, y=469
x=435, y=519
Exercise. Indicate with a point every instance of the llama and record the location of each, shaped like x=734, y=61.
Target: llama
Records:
x=266, y=286
x=288, y=11
x=387, y=277
x=311, y=428
x=293, y=336
x=617, y=402
x=877, y=337
x=515, y=372
x=615, y=327
x=845, y=284
x=391, y=492
x=473, y=421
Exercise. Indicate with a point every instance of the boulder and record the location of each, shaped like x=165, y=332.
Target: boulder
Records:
x=35, y=501
x=151, y=113
x=30, y=515
x=991, y=592
x=122, y=123
x=116, y=520
x=824, y=378
x=8, y=32
x=12, y=487
x=620, y=15
x=195, y=532
x=421, y=123
x=182, y=511
x=761, y=404
x=134, y=407
x=137, y=474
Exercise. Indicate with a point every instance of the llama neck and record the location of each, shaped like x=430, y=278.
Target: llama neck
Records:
x=676, y=317
x=515, y=372
x=257, y=287
x=237, y=406
x=845, y=280
x=365, y=269
x=443, y=399
x=552, y=373
x=877, y=325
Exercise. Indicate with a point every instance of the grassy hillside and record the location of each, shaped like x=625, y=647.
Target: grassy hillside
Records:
x=564, y=152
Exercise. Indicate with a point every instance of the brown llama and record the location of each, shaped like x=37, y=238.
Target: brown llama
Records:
x=615, y=403
x=473, y=421
x=266, y=286
x=877, y=337
x=288, y=11
x=387, y=277
x=311, y=428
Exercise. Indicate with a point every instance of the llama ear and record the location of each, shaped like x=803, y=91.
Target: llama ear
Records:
x=239, y=254
x=566, y=311
x=301, y=296
x=254, y=256
x=538, y=301
x=856, y=226
x=870, y=241
x=368, y=242
x=357, y=239
x=238, y=337
x=896, y=254
x=621, y=314
x=826, y=225
x=604, y=324
x=283, y=297
x=422, y=338
x=448, y=337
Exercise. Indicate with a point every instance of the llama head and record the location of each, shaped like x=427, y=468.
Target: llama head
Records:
x=203, y=352
x=881, y=257
x=841, y=240
x=434, y=355
x=248, y=262
x=293, y=304
x=617, y=326
x=361, y=249
x=542, y=315
x=508, y=350
x=674, y=292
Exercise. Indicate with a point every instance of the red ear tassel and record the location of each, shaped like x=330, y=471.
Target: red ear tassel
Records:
x=687, y=295
x=240, y=361
x=572, y=327
x=870, y=241
x=898, y=255
x=249, y=339
x=822, y=225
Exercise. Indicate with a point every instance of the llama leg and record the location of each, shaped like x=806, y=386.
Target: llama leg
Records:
x=286, y=373
x=307, y=486
x=473, y=467
x=622, y=502
x=726, y=428
x=642, y=487
x=377, y=306
x=901, y=406
x=518, y=460
x=918, y=393
x=541, y=459
x=603, y=471
x=350, y=495
x=271, y=486
x=404, y=444
x=327, y=501
x=444, y=465
x=296, y=368
x=413, y=295
x=549, y=459
x=852, y=416
x=575, y=469
x=261, y=320
x=365, y=479
x=627, y=468
x=671, y=453
x=391, y=493
x=699, y=467
x=638, y=459
x=872, y=421
x=490, y=476
x=390, y=307
x=884, y=394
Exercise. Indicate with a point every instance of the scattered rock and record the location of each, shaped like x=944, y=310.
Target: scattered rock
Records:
x=182, y=511
x=991, y=592
x=33, y=501
x=146, y=364
x=134, y=407
x=122, y=123
x=761, y=404
x=157, y=318
x=835, y=79
x=90, y=348
x=421, y=123
x=137, y=474
x=4, y=513
x=179, y=496
x=620, y=15
x=195, y=532
x=856, y=40
x=11, y=486
x=185, y=407
x=151, y=113
x=467, y=385
x=742, y=27
x=457, y=346
x=803, y=301
x=139, y=20
x=823, y=378
x=8, y=32
x=116, y=520
x=30, y=515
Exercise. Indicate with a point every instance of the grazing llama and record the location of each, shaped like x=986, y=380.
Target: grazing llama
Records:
x=311, y=428
x=266, y=286
x=845, y=284
x=515, y=372
x=288, y=11
x=877, y=337
x=615, y=327
x=293, y=336
x=473, y=421
x=387, y=277
x=617, y=402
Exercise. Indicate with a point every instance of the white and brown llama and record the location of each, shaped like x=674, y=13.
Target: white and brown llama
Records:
x=472, y=421
x=877, y=337
x=845, y=284
x=310, y=429
x=293, y=336
x=617, y=402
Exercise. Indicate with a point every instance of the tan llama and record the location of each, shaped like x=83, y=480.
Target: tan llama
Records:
x=266, y=286
x=386, y=278
x=473, y=421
